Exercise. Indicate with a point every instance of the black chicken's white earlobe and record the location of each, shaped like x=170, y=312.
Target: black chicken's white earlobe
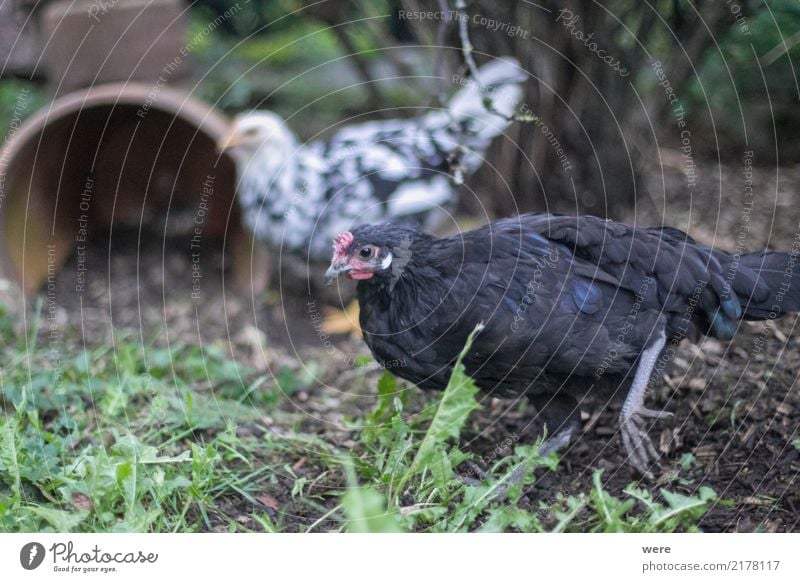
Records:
x=387, y=261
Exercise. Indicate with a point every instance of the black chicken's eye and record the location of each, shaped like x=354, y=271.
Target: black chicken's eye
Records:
x=365, y=252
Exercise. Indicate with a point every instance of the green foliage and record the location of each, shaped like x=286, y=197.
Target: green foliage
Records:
x=417, y=477
x=366, y=510
x=148, y=439
x=19, y=100
x=304, y=42
x=452, y=411
x=679, y=513
x=733, y=73
x=126, y=486
x=98, y=444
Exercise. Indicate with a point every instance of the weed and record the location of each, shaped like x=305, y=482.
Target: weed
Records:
x=145, y=438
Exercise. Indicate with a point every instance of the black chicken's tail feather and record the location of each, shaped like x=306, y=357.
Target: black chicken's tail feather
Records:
x=768, y=284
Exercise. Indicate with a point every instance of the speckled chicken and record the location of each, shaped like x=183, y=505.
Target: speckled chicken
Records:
x=297, y=196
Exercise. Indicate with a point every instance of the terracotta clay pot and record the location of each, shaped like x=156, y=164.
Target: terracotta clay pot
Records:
x=135, y=154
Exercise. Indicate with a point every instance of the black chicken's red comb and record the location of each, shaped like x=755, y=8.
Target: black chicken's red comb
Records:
x=342, y=242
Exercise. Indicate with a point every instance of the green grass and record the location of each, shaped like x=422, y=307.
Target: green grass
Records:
x=413, y=485
x=156, y=439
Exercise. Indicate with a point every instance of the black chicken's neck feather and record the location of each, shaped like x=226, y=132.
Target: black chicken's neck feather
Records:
x=412, y=279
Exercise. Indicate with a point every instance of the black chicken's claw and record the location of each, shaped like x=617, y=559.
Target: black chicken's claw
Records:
x=556, y=442
x=641, y=452
x=474, y=470
x=502, y=489
x=658, y=414
x=515, y=478
x=552, y=444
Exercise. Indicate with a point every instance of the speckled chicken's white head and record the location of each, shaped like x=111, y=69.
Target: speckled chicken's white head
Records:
x=259, y=135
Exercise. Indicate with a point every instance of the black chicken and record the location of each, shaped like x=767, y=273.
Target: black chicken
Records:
x=570, y=306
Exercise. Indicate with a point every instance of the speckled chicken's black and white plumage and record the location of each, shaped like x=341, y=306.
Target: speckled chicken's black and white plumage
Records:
x=297, y=196
x=570, y=307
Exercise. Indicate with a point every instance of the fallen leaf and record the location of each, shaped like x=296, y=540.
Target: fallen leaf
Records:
x=697, y=384
x=268, y=501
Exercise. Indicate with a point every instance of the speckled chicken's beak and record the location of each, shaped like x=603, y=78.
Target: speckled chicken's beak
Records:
x=335, y=271
x=228, y=141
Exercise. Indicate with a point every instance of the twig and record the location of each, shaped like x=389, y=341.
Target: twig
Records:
x=779, y=50
x=466, y=45
x=466, y=51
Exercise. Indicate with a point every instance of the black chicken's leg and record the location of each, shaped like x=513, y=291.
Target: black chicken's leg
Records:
x=562, y=419
x=640, y=449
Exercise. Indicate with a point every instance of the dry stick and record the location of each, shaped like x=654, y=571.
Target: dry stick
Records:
x=780, y=49
x=466, y=45
x=466, y=51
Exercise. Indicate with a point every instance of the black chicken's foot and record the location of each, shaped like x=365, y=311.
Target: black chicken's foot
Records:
x=551, y=445
x=641, y=452
x=558, y=441
x=470, y=479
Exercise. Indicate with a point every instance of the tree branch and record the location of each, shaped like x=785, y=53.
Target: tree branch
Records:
x=466, y=45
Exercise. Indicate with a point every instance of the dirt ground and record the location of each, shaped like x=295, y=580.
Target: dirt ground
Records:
x=736, y=406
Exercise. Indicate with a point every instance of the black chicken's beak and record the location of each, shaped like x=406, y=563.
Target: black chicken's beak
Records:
x=335, y=271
